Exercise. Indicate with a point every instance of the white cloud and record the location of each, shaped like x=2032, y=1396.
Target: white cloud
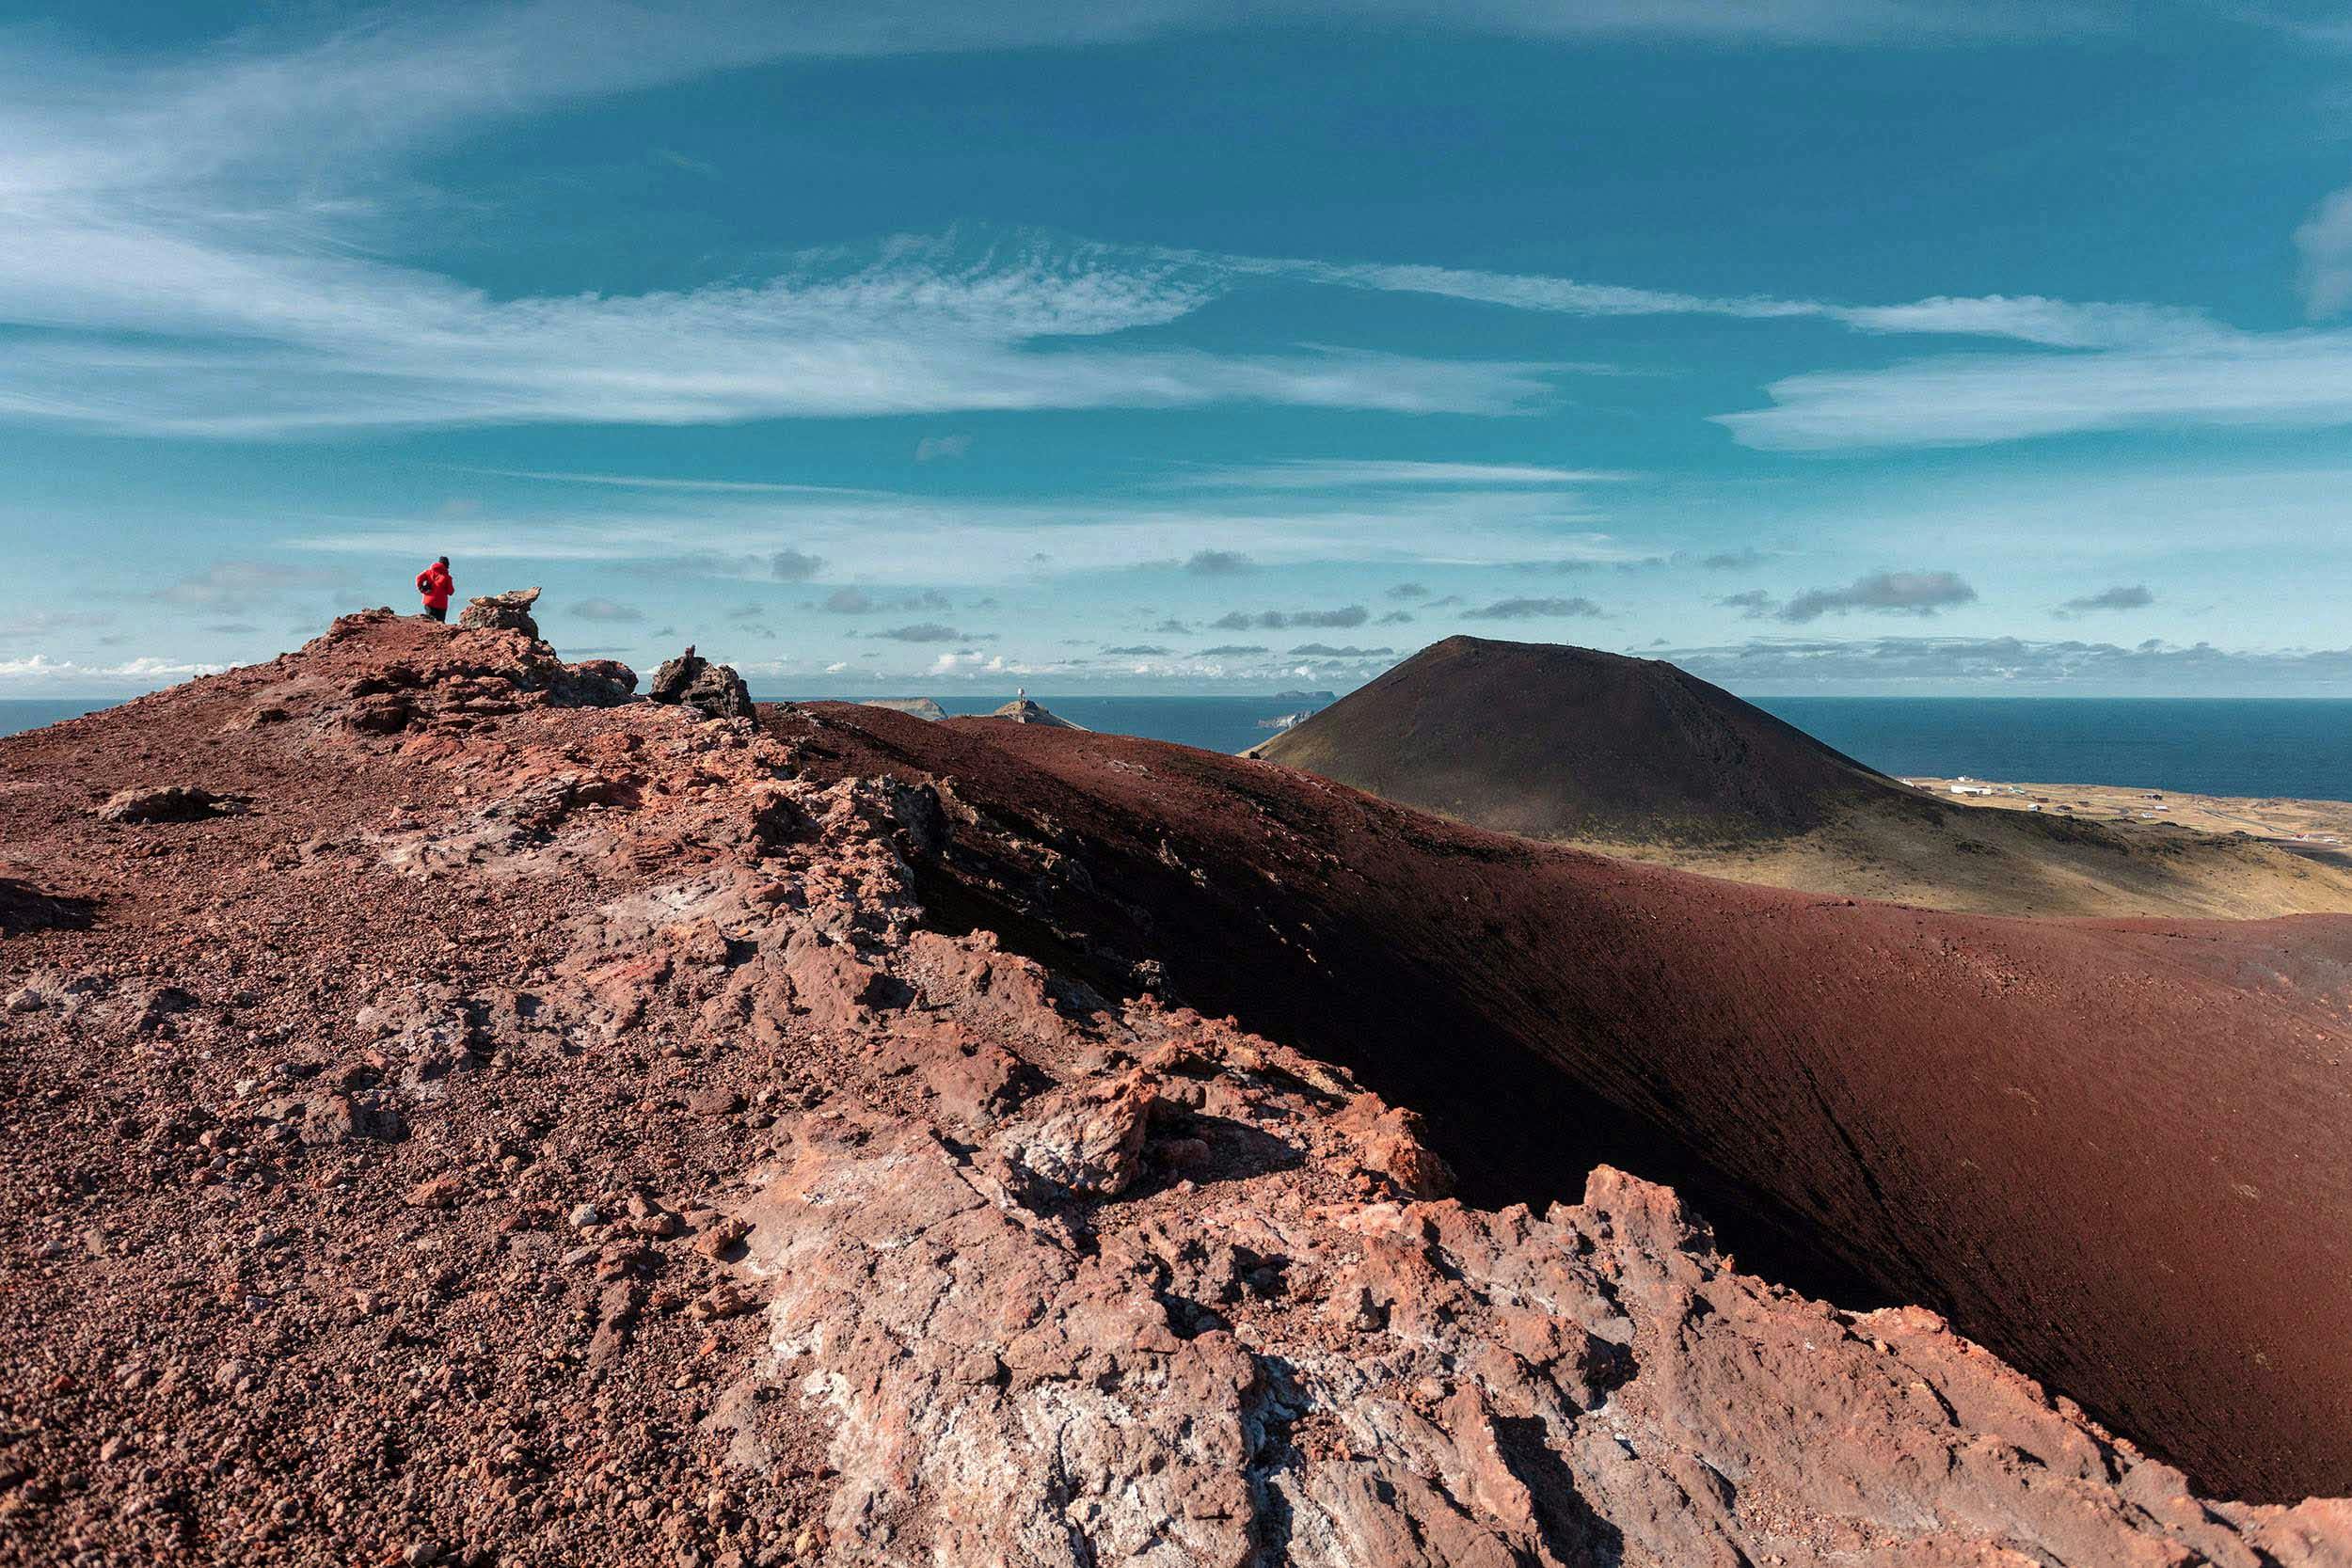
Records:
x=2023, y=318
x=1351, y=473
x=897, y=540
x=223, y=209
x=1925, y=663
x=2326, y=243
x=40, y=672
x=2283, y=380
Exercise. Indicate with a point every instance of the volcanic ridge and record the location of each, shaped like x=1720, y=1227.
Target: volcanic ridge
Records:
x=1636, y=759
x=460, y=1113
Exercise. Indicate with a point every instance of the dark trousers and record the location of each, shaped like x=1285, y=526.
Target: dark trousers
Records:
x=438, y=611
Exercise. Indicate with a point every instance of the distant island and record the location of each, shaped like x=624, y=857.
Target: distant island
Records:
x=1305, y=697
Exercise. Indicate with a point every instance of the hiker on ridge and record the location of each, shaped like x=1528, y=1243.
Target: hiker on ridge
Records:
x=437, y=585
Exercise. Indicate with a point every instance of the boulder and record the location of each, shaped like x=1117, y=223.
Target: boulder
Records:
x=594, y=682
x=507, y=612
x=692, y=681
x=164, y=803
x=1087, y=1141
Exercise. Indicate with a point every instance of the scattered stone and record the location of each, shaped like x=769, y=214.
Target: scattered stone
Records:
x=441, y=1192
x=722, y=1237
x=714, y=1102
x=723, y=1300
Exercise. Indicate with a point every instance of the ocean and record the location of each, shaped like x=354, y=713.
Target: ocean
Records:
x=2290, y=746
x=2299, y=747
x=31, y=713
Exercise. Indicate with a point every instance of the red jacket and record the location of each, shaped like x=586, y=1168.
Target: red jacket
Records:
x=435, y=584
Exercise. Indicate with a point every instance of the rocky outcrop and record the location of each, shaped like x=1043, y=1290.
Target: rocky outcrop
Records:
x=919, y=707
x=164, y=803
x=692, y=682
x=507, y=612
x=558, y=1133
x=1023, y=710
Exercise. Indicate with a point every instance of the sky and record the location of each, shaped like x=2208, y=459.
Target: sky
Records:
x=909, y=347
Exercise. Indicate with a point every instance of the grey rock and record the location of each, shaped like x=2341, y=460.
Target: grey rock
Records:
x=507, y=612
x=692, y=682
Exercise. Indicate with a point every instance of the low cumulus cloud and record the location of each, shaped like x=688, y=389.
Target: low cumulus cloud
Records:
x=1219, y=563
x=857, y=601
x=1283, y=620
x=148, y=669
x=1232, y=650
x=1754, y=604
x=1725, y=560
x=1884, y=592
x=1396, y=618
x=2122, y=596
x=1882, y=663
x=1324, y=649
x=1408, y=591
x=1530, y=610
x=794, y=565
x=696, y=563
x=611, y=610
x=926, y=631
x=1138, y=650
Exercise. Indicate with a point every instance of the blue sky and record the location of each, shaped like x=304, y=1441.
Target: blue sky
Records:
x=1169, y=346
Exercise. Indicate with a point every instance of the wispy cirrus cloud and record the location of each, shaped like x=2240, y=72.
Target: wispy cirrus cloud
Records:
x=895, y=541
x=2286, y=380
x=198, y=240
x=1339, y=473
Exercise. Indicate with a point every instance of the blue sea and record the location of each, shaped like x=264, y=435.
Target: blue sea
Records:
x=2298, y=747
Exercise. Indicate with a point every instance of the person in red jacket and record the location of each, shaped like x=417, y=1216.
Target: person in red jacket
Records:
x=437, y=585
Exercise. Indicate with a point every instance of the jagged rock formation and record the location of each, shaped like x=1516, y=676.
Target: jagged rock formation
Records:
x=1865, y=1099
x=546, y=1134
x=507, y=612
x=692, y=682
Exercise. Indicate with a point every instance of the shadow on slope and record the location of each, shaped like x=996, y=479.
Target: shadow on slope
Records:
x=2112, y=1152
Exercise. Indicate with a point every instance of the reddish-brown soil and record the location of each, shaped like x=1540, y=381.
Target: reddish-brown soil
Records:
x=2116, y=1151
x=477, y=1121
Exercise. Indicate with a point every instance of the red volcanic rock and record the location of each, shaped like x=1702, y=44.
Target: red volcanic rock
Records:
x=2087, y=1142
x=351, y=1214
x=1087, y=1141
